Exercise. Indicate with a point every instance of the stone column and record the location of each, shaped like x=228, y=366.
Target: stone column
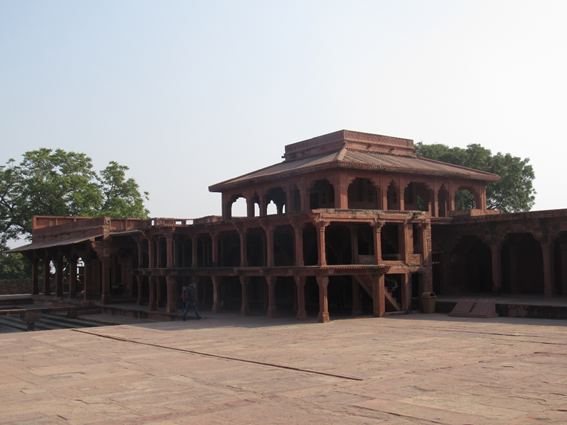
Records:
x=495, y=248
x=272, y=310
x=406, y=292
x=547, y=251
x=353, y=229
x=169, y=250
x=214, y=248
x=88, y=276
x=152, y=304
x=269, y=230
x=322, y=255
x=59, y=276
x=435, y=203
x=300, y=285
x=249, y=207
x=242, y=233
x=563, y=247
x=341, y=191
x=298, y=239
x=35, y=272
x=72, y=277
x=244, y=309
x=356, y=308
x=378, y=241
x=401, y=195
x=194, y=251
x=216, y=299
x=105, y=296
x=139, y=279
x=378, y=295
x=405, y=247
x=323, y=282
x=170, y=283
x=46, y=275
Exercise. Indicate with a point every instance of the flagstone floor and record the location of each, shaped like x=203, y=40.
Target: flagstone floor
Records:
x=227, y=369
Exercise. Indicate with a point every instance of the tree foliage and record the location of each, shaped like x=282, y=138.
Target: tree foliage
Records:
x=513, y=193
x=60, y=183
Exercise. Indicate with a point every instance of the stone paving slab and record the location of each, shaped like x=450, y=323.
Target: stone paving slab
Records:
x=227, y=369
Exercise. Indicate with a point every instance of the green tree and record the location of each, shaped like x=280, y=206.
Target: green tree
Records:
x=60, y=183
x=513, y=193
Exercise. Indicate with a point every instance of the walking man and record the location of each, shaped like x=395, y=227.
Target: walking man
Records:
x=188, y=296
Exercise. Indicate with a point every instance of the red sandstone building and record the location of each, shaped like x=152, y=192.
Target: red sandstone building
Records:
x=361, y=224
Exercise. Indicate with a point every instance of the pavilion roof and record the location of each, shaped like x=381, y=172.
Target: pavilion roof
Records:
x=347, y=156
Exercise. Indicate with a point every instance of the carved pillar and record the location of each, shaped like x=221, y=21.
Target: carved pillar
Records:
x=170, y=283
x=214, y=247
x=378, y=295
x=139, y=279
x=547, y=251
x=272, y=310
x=322, y=255
x=216, y=298
x=242, y=233
x=495, y=250
x=401, y=195
x=405, y=247
x=35, y=272
x=341, y=191
x=378, y=241
x=244, y=309
x=353, y=229
x=406, y=292
x=46, y=275
x=72, y=277
x=323, y=282
x=194, y=251
x=249, y=206
x=88, y=276
x=269, y=230
x=59, y=276
x=169, y=250
x=435, y=203
x=563, y=248
x=356, y=308
x=152, y=304
x=298, y=239
x=300, y=291
x=105, y=296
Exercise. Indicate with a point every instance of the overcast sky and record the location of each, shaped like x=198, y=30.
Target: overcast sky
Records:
x=191, y=93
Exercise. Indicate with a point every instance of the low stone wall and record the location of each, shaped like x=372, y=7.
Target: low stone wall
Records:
x=15, y=286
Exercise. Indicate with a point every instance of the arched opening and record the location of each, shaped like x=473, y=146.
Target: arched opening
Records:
x=277, y=196
x=339, y=292
x=417, y=196
x=271, y=209
x=338, y=245
x=229, y=249
x=522, y=264
x=283, y=246
x=362, y=195
x=255, y=252
x=390, y=240
x=471, y=266
x=238, y=206
x=465, y=199
x=392, y=195
x=310, y=255
x=322, y=195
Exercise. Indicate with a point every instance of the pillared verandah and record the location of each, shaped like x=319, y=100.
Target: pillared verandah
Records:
x=359, y=223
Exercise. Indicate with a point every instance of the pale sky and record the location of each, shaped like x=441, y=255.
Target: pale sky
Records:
x=191, y=93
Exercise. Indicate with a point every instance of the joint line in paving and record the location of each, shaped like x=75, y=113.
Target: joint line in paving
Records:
x=218, y=356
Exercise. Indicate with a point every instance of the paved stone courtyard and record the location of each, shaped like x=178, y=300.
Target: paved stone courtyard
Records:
x=227, y=369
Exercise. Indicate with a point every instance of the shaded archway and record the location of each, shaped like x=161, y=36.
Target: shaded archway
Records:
x=322, y=195
x=471, y=266
x=522, y=264
x=362, y=195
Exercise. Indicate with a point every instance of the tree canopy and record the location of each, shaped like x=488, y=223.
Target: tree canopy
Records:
x=513, y=193
x=60, y=183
